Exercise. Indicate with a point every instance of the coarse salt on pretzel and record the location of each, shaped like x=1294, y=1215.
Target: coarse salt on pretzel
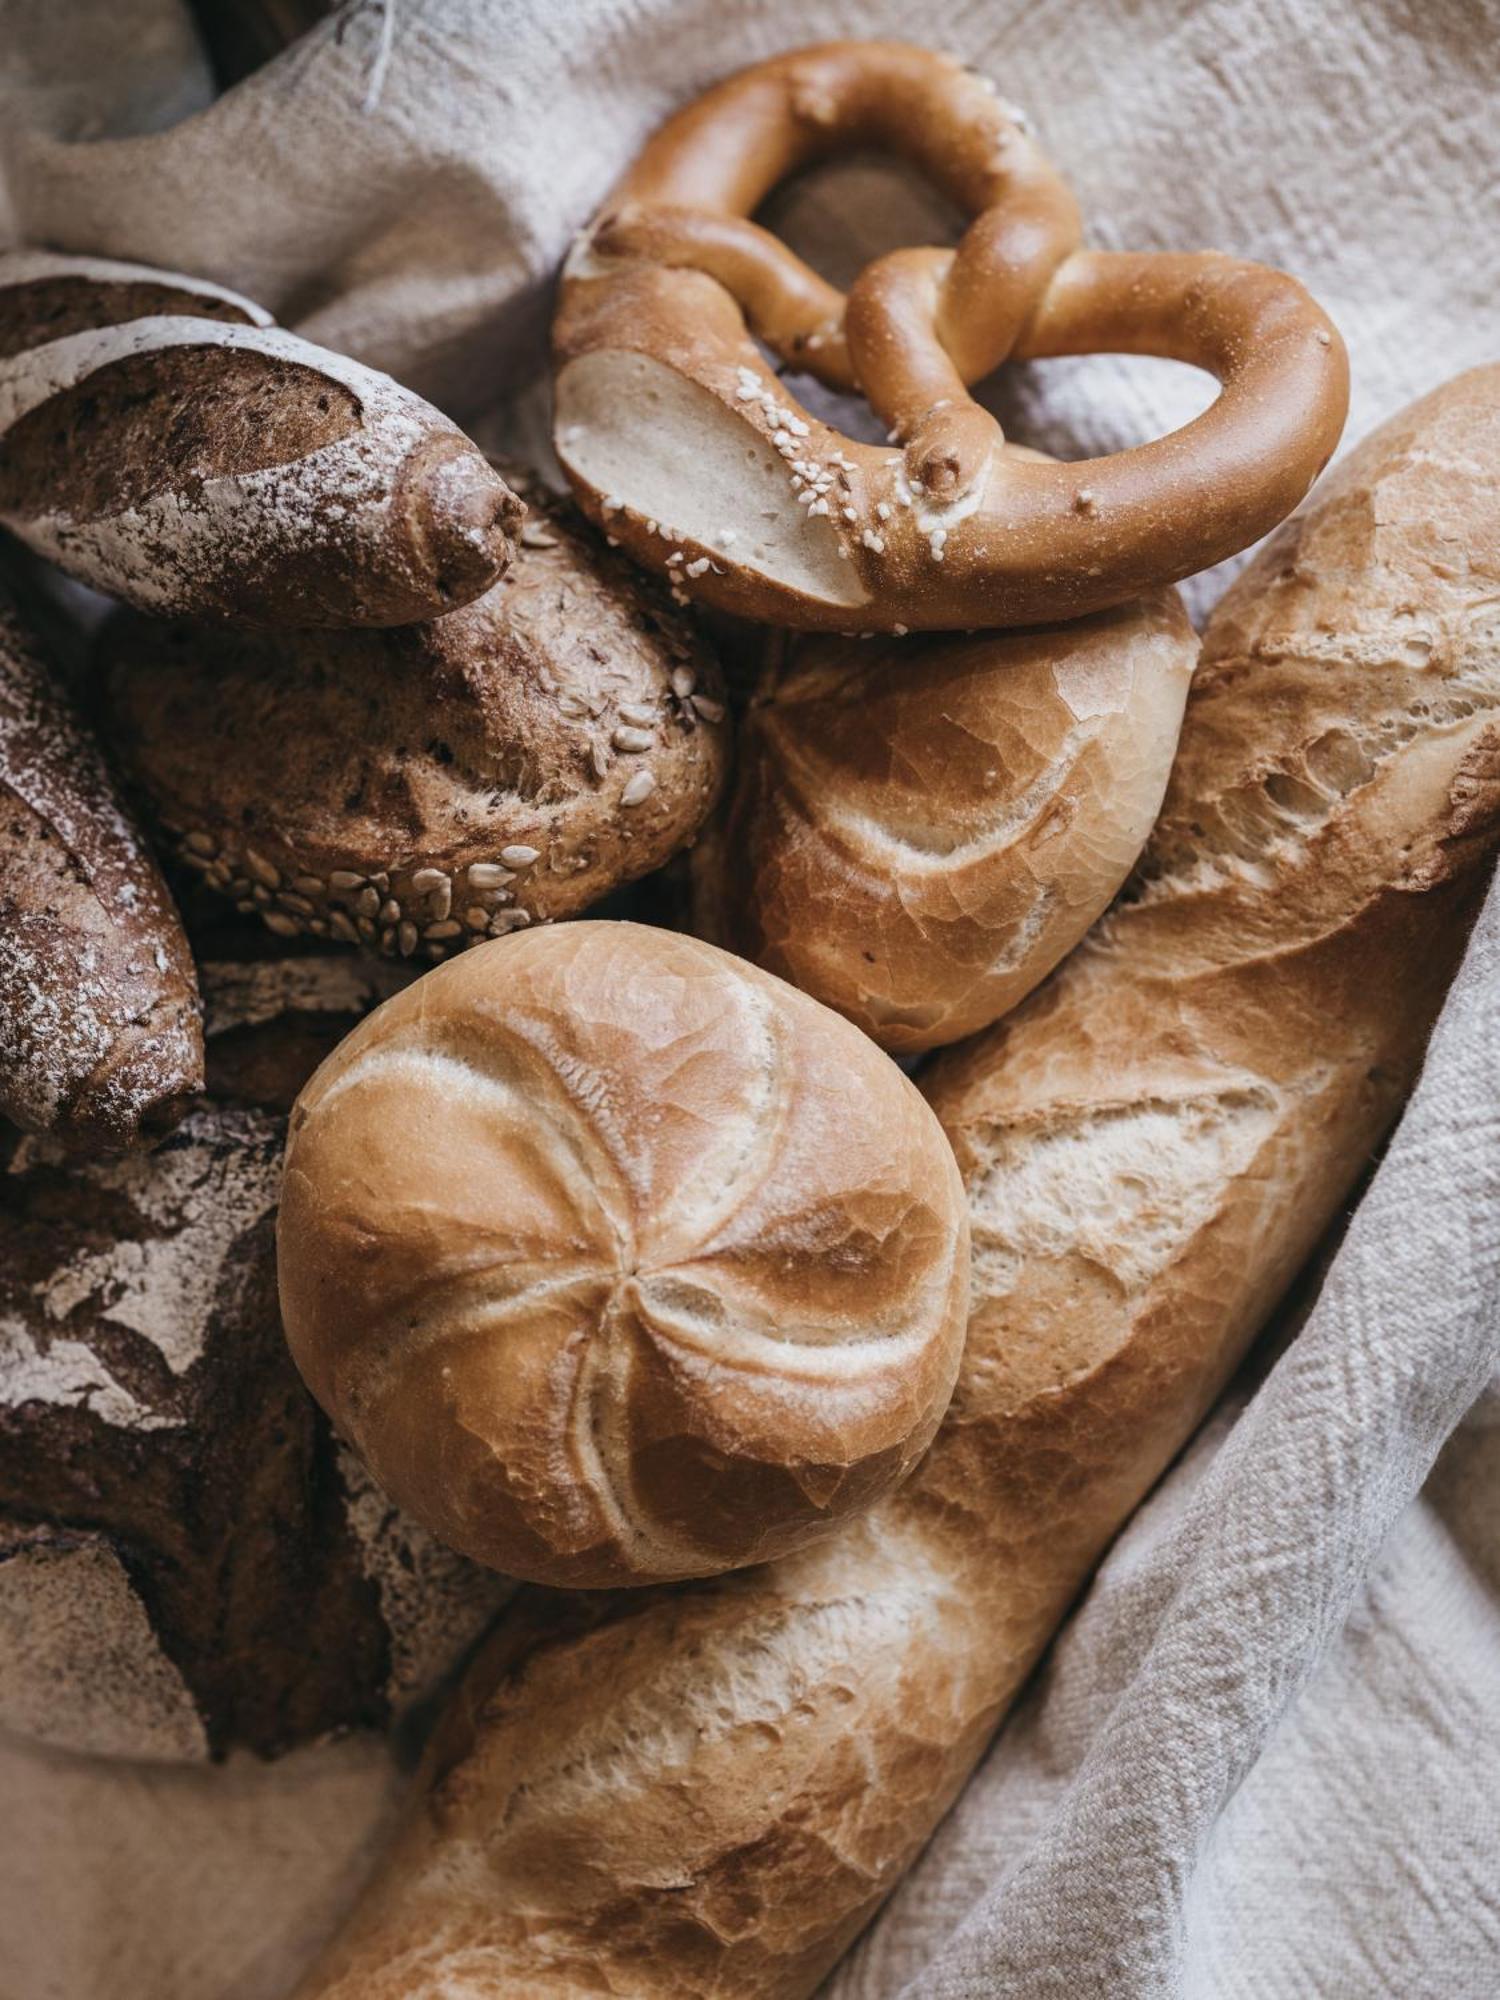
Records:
x=690, y=451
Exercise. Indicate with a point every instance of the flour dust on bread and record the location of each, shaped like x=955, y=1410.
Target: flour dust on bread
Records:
x=711, y=1793
x=162, y=441
x=920, y=828
x=188, y=1560
x=99, y=1035
x=619, y=1260
x=417, y=791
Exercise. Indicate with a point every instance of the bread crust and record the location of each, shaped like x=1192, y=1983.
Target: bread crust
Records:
x=189, y=1562
x=100, y=1041
x=416, y=791
x=920, y=828
x=711, y=1794
x=619, y=1260
x=706, y=466
x=162, y=441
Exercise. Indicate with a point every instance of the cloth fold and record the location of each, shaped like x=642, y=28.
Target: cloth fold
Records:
x=1262, y=1760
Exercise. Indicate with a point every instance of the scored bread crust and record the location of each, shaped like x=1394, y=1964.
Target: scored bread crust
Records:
x=920, y=828
x=162, y=441
x=189, y=1562
x=100, y=1041
x=418, y=790
x=619, y=1260
x=711, y=1793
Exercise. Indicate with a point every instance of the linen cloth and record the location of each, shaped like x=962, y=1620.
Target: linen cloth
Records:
x=1263, y=1759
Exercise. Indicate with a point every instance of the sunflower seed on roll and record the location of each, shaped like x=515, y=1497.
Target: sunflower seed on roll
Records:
x=477, y=770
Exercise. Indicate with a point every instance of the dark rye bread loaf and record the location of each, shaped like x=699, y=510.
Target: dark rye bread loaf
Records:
x=161, y=440
x=99, y=1036
x=188, y=1560
x=419, y=790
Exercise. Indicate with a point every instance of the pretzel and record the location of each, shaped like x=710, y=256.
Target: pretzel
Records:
x=689, y=451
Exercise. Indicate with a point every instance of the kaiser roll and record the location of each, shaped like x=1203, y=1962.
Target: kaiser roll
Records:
x=619, y=1260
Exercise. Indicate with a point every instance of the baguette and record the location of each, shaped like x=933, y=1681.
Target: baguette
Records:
x=99, y=1035
x=712, y=1792
x=161, y=440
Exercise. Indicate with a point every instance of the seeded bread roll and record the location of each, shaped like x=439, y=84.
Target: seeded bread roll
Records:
x=420, y=790
x=99, y=1035
x=188, y=1561
x=920, y=828
x=617, y=1259
x=161, y=440
x=710, y=1793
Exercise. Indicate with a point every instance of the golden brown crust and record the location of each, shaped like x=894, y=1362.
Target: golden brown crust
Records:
x=418, y=790
x=619, y=1260
x=710, y=1794
x=677, y=436
x=920, y=829
x=162, y=441
x=100, y=1040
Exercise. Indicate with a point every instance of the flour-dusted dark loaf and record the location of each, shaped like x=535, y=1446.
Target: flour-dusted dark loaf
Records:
x=161, y=440
x=100, y=1041
x=419, y=790
x=710, y=1793
x=188, y=1560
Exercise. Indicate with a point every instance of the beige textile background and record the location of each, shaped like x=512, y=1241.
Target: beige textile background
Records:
x=1264, y=1761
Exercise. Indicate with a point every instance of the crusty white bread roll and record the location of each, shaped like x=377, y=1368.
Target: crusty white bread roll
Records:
x=161, y=440
x=711, y=1793
x=618, y=1259
x=920, y=828
x=419, y=789
x=100, y=1041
